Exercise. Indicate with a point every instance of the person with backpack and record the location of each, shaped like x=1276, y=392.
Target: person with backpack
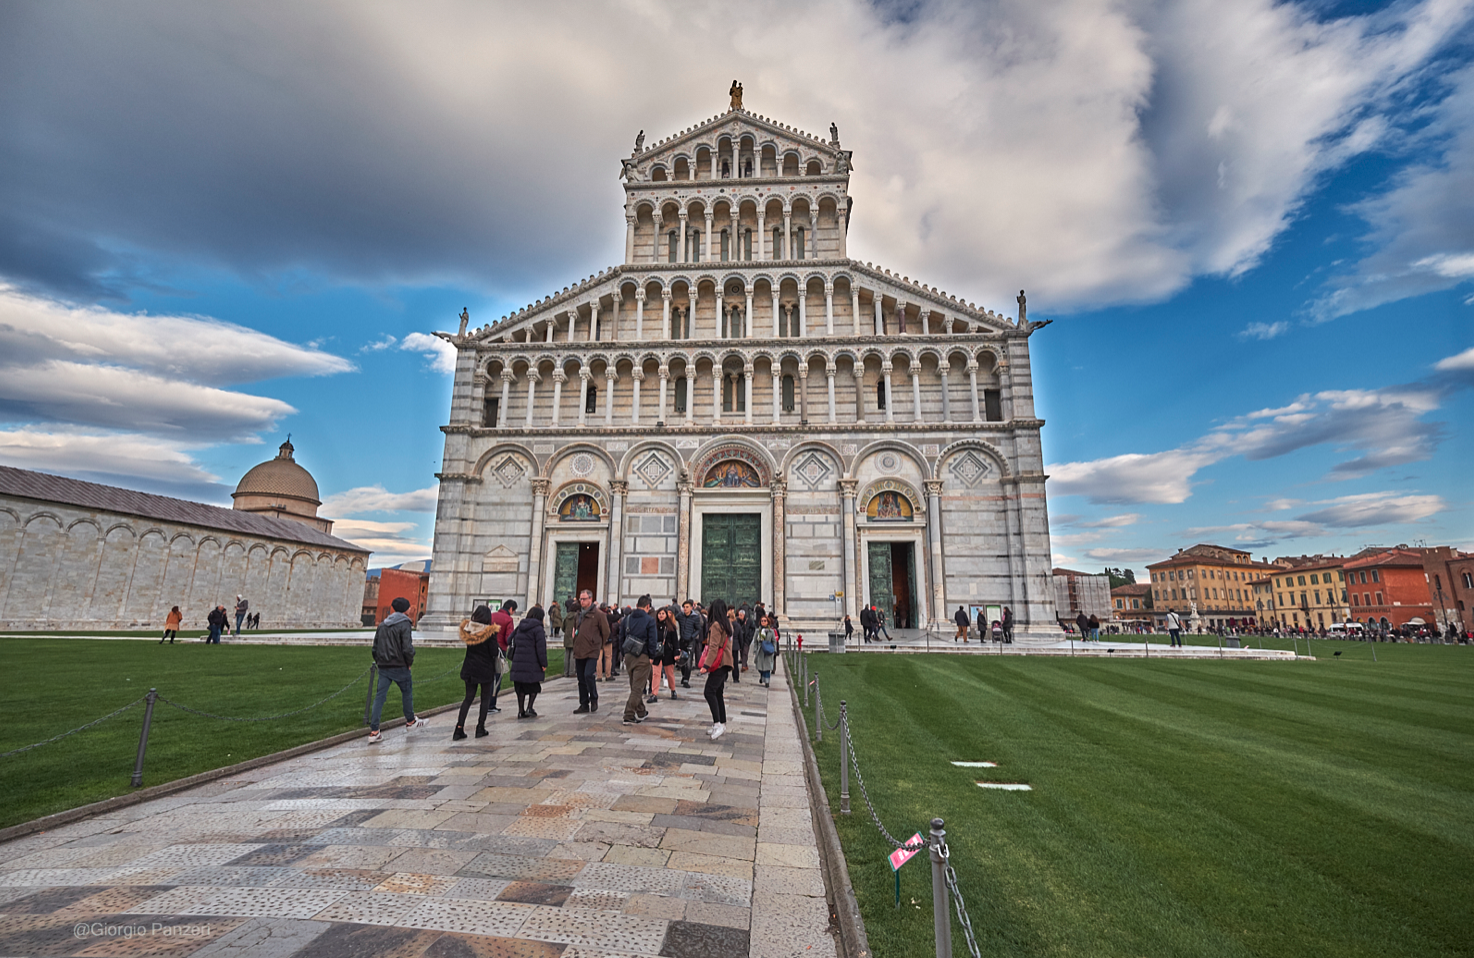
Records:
x=765, y=644
x=716, y=662
x=640, y=639
x=479, y=670
x=529, y=646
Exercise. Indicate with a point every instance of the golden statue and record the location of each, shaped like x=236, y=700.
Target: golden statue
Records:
x=736, y=93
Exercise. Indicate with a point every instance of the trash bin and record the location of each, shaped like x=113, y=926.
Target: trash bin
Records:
x=836, y=642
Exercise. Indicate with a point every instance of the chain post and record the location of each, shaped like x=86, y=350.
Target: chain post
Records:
x=941, y=907
x=818, y=711
x=148, y=720
x=368, y=701
x=844, y=758
x=804, y=678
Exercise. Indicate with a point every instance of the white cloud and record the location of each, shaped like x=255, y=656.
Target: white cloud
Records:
x=391, y=542
x=1112, y=522
x=378, y=345
x=1375, y=509
x=1119, y=557
x=442, y=355
x=378, y=499
x=1264, y=330
x=1462, y=362
x=70, y=452
x=1163, y=477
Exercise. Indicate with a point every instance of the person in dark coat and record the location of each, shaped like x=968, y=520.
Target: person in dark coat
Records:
x=1083, y=624
x=529, y=661
x=961, y=619
x=479, y=670
x=1007, y=625
x=217, y=622
x=983, y=630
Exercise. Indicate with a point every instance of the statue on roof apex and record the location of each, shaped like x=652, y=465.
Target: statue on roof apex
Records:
x=834, y=134
x=736, y=93
x=465, y=318
x=1023, y=307
x=640, y=141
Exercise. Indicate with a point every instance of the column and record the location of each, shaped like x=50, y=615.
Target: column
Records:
x=734, y=248
x=779, y=491
x=638, y=375
x=709, y=214
x=841, y=220
x=762, y=236
x=901, y=318
x=721, y=316
x=803, y=391
x=618, y=304
x=1005, y=390
x=775, y=370
x=829, y=375
x=890, y=396
x=847, y=492
x=506, y=406
x=532, y=380
x=934, y=536
x=664, y=380
x=915, y=392
x=690, y=392
x=583, y=394
x=944, y=367
x=858, y=371
x=573, y=324
x=629, y=237
x=594, y=321
x=803, y=310
x=665, y=311
x=879, y=316
x=787, y=233
x=685, y=247
x=854, y=305
x=609, y=378
x=618, y=489
x=659, y=235
x=549, y=337
x=829, y=309
x=775, y=312
x=640, y=313
x=535, y=552
x=747, y=393
x=683, y=534
x=972, y=379
x=559, y=378
x=717, y=375
x=747, y=316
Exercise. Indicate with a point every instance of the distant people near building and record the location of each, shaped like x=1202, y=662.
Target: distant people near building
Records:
x=962, y=620
x=242, y=609
x=218, y=623
x=1007, y=625
x=1173, y=622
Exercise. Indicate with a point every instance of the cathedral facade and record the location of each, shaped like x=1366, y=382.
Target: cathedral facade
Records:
x=740, y=410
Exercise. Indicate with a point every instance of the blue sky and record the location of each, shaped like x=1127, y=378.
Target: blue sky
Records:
x=1252, y=223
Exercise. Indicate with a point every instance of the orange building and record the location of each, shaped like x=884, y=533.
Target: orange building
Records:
x=1389, y=588
x=406, y=583
x=1212, y=579
x=1309, y=592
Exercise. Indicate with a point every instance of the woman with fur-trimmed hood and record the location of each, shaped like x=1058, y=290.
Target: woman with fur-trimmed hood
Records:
x=479, y=669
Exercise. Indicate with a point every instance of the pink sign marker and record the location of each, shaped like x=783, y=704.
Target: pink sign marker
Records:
x=901, y=856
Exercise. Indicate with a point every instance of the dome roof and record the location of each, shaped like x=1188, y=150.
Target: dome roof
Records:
x=281, y=477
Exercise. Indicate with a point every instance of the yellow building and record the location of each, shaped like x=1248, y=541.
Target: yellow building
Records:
x=1310, y=593
x=1212, y=580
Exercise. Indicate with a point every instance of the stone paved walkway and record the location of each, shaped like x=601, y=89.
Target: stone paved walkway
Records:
x=563, y=835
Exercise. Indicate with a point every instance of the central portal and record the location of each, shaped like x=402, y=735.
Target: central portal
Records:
x=731, y=558
x=575, y=568
x=893, y=581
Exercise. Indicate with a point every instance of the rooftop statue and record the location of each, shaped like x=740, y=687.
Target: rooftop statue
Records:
x=1023, y=308
x=640, y=141
x=736, y=94
x=465, y=318
x=834, y=134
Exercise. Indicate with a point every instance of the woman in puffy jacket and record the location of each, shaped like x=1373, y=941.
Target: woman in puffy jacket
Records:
x=529, y=661
x=478, y=671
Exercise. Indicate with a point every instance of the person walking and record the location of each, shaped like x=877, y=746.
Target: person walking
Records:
x=1174, y=628
x=867, y=624
x=605, y=670
x=665, y=663
x=394, y=654
x=962, y=623
x=880, y=624
x=479, y=670
x=218, y=623
x=640, y=639
x=502, y=619
x=241, y=608
x=1082, y=624
x=1007, y=625
x=716, y=662
x=555, y=620
x=172, y=621
x=765, y=646
x=1094, y=624
x=590, y=632
x=734, y=629
x=849, y=627
x=692, y=628
x=529, y=661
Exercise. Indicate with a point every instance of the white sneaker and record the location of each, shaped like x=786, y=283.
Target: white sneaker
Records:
x=416, y=724
x=375, y=738
x=717, y=730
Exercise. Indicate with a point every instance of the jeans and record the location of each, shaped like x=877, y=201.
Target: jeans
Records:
x=588, y=692
x=239, y=618
x=1176, y=635
x=764, y=676
x=639, y=670
x=214, y=636
x=401, y=678
x=715, y=685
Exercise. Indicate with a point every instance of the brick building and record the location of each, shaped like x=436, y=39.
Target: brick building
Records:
x=1389, y=588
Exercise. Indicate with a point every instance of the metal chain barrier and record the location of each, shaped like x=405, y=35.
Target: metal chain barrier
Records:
x=820, y=706
x=271, y=718
x=961, y=906
x=865, y=794
x=80, y=728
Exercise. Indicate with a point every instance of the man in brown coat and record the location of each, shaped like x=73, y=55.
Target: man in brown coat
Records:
x=590, y=631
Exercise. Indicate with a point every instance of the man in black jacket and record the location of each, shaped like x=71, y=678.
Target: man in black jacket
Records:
x=867, y=623
x=638, y=627
x=218, y=623
x=394, y=654
x=961, y=619
x=692, y=630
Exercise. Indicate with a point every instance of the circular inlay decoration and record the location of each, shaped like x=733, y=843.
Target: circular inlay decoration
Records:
x=888, y=463
x=582, y=465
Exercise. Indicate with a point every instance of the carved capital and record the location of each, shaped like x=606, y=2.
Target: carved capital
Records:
x=848, y=487
x=507, y=376
x=560, y=375
x=585, y=374
x=886, y=367
x=638, y=374
x=777, y=487
x=609, y=374
x=828, y=288
x=684, y=485
x=619, y=487
x=540, y=487
x=534, y=376
x=640, y=295
x=664, y=373
x=933, y=486
x=665, y=294
x=747, y=370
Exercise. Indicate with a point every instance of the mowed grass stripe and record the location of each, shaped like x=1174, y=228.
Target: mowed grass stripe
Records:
x=1165, y=819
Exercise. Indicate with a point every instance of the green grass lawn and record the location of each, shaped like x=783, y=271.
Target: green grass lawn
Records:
x=1179, y=808
x=64, y=683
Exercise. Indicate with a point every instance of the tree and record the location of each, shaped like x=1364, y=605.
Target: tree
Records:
x=1120, y=577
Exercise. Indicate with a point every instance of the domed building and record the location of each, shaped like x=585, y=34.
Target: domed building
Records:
x=281, y=487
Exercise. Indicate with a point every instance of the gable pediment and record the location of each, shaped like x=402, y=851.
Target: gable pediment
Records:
x=734, y=126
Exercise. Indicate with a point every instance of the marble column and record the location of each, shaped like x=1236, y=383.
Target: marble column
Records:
x=901, y=318
x=747, y=316
x=638, y=375
x=685, y=246
x=775, y=370
x=747, y=393
x=690, y=392
x=829, y=309
x=659, y=235
x=640, y=313
x=506, y=404
x=548, y=330
x=858, y=371
x=829, y=375
x=584, y=375
x=709, y=215
x=934, y=536
x=665, y=312
x=664, y=381
x=683, y=536
x=803, y=391
x=717, y=377
x=803, y=311
x=972, y=379
x=559, y=378
x=535, y=551
x=879, y=315
x=945, y=367
x=915, y=392
x=618, y=489
x=854, y=305
x=847, y=489
x=841, y=222
x=594, y=321
x=734, y=245
x=532, y=380
x=779, y=491
x=787, y=234
x=721, y=316
x=762, y=236
x=890, y=397
x=1005, y=390
x=609, y=379
x=775, y=312
x=629, y=237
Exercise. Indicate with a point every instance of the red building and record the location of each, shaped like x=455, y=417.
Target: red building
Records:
x=1389, y=588
x=409, y=584
x=1450, y=585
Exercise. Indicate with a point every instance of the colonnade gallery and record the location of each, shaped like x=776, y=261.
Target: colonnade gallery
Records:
x=740, y=411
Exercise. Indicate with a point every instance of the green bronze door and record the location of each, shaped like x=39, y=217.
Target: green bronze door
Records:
x=565, y=571
x=731, y=558
x=882, y=582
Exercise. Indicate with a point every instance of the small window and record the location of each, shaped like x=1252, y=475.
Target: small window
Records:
x=787, y=393
x=489, y=411
x=1353, y=599
x=1379, y=598
x=1314, y=579
x=993, y=404
x=726, y=246
x=747, y=167
x=880, y=394
x=798, y=243
x=726, y=169
x=675, y=249
x=1302, y=580
x=1376, y=578
x=591, y=403
x=1469, y=580
x=681, y=394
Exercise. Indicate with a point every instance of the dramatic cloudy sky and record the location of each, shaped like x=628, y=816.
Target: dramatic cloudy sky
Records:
x=1253, y=225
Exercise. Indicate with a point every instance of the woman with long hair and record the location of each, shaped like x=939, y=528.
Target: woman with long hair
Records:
x=478, y=633
x=715, y=664
x=665, y=624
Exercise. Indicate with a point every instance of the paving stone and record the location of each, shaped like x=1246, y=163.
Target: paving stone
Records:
x=478, y=822
x=273, y=855
x=786, y=835
x=265, y=938
x=716, y=889
x=792, y=856
x=369, y=908
x=629, y=878
x=347, y=879
x=349, y=856
x=633, y=855
x=433, y=861
x=50, y=900
x=711, y=864
x=240, y=902
x=518, y=868
x=484, y=946
x=689, y=939
x=709, y=843
x=482, y=888
x=358, y=941
x=614, y=833
x=598, y=900
x=784, y=925
x=413, y=883
x=728, y=916
x=535, y=893
x=583, y=851
x=470, y=917
x=597, y=928
x=561, y=829
x=790, y=881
